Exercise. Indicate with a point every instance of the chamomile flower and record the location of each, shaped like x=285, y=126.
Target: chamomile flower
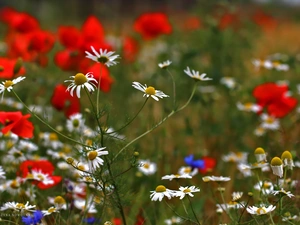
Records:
x=236, y=196
x=165, y=64
x=161, y=192
x=176, y=176
x=249, y=107
x=260, y=210
x=81, y=81
x=237, y=157
x=173, y=220
x=75, y=123
x=269, y=122
x=8, y=85
x=283, y=192
x=187, y=170
x=49, y=211
x=94, y=159
x=147, y=167
x=17, y=206
x=195, y=75
x=265, y=187
x=183, y=191
x=215, y=178
x=2, y=173
x=277, y=166
x=149, y=91
x=103, y=56
x=228, y=82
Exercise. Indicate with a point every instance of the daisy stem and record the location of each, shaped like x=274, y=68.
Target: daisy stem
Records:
x=174, y=89
x=98, y=91
x=129, y=120
x=193, y=210
x=158, y=124
x=182, y=217
x=47, y=124
x=244, y=209
x=271, y=218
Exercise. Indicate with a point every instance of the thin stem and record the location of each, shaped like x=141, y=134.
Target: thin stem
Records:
x=48, y=125
x=158, y=124
x=182, y=217
x=244, y=209
x=98, y=91
x=129, y=120
x=271, y=218
x=193, y=210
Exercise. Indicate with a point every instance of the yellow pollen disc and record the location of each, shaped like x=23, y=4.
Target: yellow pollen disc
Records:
x=150, y=90
x=29, y=176
x=146, y=165
x=17, y=154
x=266, y=185
x=261, y=211
x=160, y=188
x=51, y=210
x=8, y=83
x=286, y=155
x=41, y=177
x=276, y=161
x=14, y=184
x=270, y=120
x=187, y=170
x=66, y=149
x=89, y=179
x=92, y=155
x=275, y=63
x=70, y=160
x=53, y=137
x=232, y=203
x=59, y=200
x=248, y=105
x=97, y=199
x=259, y=151
x=187, y=190
x=80, y=79
x=20, y=206
x=80, y=167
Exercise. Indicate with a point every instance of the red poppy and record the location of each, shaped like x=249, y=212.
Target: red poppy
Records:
x=19, y=21
x=43, y=166
x=152, y=25
x=17, y=124
x=117, y=221
x=275, y=98
x=7, y=68
x=63, y=101
x=106, y=80
x=130, y=49
x=228, y=20
x=266, y=22
x=77, y=41
x=209, y=164
x=192, y=23
x=140, y=220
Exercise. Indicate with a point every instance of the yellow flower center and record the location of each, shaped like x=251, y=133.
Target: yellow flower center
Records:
x=261, y=211
x=259, y=151
x=187, y=190
x=59, y=200
x=89, y=179
x=160, y=188
x=81, y=167
x=187, y=170
x=270, y=120
x=103, y=59
x=248, y=105
x=17, y=154
x=41, y=177
x=14, y=184
x=276, y=161
x=150, y=90
x=92, y=155
x=80, y=79
x=20, y=206
x=286, y=155
x=266, y=185
x=70, y=160
x=8, y=83
x=66, y=149
x=146, y=165
x=53, y=137
x=29, y=176
x=51, y=210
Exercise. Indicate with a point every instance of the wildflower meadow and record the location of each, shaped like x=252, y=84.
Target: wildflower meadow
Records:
x=149, y=112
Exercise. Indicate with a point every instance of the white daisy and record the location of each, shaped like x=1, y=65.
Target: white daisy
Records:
x=8, y=85
x=259, y=131
x=237, y=157
x=265, y=187
x=183, y=191
x=147, y=167
x=260, y=210
x=176, y=176
x=49, y=211
x=195, y=75
x=85, y=205
x=165, y=64
x=103, y=56
x=282, y=191
x=149, y=91
x=160, y=192
x=2, y=173
x=38, y=175
x=75, y=123
x=228, y=82
x=269, y=122
x=215, y=178
x=17, y=206
x=236, y=196
x=187, y=170
x=173, y=220
x=94, y=159
x=249, y=107
x=80, y=81
x=277, y=166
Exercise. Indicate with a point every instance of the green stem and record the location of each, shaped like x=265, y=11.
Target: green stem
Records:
x=48, y=125
x=271, y=218
x=158, y=124
x=98, y=91
x=193, y=210
x=174, y=89
x=182, y=217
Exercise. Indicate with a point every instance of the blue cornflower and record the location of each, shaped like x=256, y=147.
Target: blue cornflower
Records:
x=35, y=219
x=91, y=220
x=189, y=160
